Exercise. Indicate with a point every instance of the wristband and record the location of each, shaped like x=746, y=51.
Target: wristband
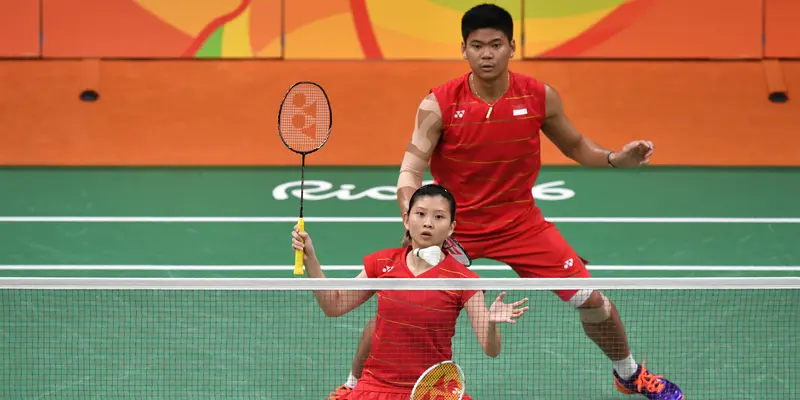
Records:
x=608, y=159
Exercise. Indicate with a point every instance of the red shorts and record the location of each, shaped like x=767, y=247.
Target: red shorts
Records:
x=365, y=394
x=534, y=252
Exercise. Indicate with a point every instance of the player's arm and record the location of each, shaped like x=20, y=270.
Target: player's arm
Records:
x=334, y=303
x=558, y=128
x=484, y=320
x=562, y=133
x=427, y=131
x=487, y=331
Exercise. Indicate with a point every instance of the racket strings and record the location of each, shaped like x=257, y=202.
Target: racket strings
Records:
x=444, y=382
x=305, y=118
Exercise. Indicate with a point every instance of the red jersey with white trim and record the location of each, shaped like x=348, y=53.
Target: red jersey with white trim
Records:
x=490, y=160
x=413, y=328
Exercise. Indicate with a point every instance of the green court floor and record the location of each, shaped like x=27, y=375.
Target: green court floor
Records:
x=235, y=222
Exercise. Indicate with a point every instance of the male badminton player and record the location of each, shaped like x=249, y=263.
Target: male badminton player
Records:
x=413, y=330
x=480, y=135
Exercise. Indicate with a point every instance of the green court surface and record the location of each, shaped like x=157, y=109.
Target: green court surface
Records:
x=235, y=222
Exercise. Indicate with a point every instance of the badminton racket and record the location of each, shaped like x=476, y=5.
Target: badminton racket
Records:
x=304, y=125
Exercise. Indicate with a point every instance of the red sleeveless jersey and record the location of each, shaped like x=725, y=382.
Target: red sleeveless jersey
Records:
x=413, y=328
x=490, y=163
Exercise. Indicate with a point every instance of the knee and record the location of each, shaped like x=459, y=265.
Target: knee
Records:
x=593, y=306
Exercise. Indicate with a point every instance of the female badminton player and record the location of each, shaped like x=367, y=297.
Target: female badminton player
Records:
x=414, y=328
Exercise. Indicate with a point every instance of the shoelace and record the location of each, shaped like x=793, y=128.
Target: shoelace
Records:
x=651, y=383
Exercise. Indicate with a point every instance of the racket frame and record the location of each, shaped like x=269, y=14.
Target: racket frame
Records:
x=298, y=260
x=330, y=113
x=460, y=247
x=434, y=366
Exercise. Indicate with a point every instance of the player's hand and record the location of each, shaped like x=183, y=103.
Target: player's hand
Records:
x=633, y=154
x=302, y=241
x=502, y=312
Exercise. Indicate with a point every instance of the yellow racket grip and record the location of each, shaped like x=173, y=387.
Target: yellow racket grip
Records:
x=298, y=254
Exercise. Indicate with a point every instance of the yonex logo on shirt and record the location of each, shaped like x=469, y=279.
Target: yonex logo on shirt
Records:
x=459, y=113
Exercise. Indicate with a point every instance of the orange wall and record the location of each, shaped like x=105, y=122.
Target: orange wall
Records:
x=380, y=29
x=782, y=31
x=175, y=111
x=19, y=28
x=224, y=112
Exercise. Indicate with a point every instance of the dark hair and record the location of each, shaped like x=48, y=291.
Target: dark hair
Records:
x=487, y=16
x=434, y=190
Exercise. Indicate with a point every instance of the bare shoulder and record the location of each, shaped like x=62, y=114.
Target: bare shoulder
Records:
x=430, y=104
x=553, y=104
x=550, y=91
x=429, y=115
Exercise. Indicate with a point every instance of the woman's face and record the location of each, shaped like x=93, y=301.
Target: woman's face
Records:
x=429, y=222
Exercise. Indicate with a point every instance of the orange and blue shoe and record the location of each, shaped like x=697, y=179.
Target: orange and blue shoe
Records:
x=339, y=393
x=648, y=385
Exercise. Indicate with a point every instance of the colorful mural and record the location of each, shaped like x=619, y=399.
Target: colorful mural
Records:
x=398, y=30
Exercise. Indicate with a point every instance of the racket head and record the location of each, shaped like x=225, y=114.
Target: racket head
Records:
x=305, y=118
x=442, y=381
x=455, y=250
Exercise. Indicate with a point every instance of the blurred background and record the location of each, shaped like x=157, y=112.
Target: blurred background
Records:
x=199, y=82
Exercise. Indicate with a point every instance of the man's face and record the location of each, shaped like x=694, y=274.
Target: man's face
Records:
x=488, y=50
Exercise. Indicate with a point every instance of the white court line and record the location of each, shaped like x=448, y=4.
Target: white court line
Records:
x=754, y=268
x=628, y=220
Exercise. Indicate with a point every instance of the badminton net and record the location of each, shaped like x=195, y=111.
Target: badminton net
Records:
x=130, y=338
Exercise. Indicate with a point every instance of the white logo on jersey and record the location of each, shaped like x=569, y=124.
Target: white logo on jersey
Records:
x=520, y=111
x=568, y=263
x=387, y=268
x=459, y=114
